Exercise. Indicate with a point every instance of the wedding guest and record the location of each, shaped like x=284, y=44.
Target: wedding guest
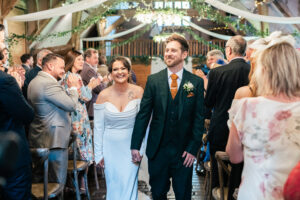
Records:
x=174, y=99
x=115, y=112
x=249, y=51
x=32, y=73
x=103, y=68
x=215, y=58
x=27, y=61
x=89, y=71
x=15, y=113
x=264, y=129
x=79, y=118
x=51, y=126
x=222, y=83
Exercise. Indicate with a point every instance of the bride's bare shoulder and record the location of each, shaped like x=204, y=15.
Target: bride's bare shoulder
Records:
x=138, y=90
x=103, y=96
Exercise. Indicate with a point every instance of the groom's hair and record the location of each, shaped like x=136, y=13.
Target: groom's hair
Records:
x=180, y=39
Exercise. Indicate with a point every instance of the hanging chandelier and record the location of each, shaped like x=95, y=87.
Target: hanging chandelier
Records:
x=159, y=16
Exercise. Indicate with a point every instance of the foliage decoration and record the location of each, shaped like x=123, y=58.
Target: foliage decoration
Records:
x=163, y=36
x=13, y=39
x=207, y=11
x=202, y=40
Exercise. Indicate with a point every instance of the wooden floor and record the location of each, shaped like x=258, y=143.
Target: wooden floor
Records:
x=197, y=189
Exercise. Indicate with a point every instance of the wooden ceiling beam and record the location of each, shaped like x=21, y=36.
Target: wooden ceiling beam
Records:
x=5, y=8
x=285, y=11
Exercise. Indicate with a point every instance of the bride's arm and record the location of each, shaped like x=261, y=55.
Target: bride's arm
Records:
x=98, y=131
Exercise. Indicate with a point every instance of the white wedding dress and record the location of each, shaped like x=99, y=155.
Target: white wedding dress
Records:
x=112, y=138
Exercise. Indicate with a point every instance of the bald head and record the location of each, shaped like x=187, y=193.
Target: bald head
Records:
x=235, y=47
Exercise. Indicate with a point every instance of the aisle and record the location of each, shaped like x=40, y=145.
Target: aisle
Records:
x=197, y=190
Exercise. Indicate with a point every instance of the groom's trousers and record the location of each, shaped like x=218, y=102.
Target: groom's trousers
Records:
x=166, y=165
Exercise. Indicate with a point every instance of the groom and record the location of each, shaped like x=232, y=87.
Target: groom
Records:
x=174, y=97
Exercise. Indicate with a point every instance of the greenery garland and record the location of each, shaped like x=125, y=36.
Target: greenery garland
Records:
x=202, y=40
x=207, y=11
x=13, y=39
x=130, y=39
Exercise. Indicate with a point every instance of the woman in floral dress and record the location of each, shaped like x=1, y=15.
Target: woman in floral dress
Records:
x=80, y=121
x=264, y=130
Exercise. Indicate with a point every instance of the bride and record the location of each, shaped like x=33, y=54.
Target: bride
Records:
x=114, y=116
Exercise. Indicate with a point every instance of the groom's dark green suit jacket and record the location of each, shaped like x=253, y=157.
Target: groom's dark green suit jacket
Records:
x=190, y=125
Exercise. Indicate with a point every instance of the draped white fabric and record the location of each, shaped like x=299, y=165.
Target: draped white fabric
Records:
x=111, y=37
x=248, y=15
x=56, y=12
x=216, y=35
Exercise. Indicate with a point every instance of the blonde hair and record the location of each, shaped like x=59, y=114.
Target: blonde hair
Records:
x=278, y=71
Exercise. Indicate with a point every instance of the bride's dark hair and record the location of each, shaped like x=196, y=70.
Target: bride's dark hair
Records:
x=126, y=62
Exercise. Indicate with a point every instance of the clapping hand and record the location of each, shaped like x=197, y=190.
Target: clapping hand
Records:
x=200, y=73
x=189, y=159
x=94, y=82
x=73, y=81
x=136, y=157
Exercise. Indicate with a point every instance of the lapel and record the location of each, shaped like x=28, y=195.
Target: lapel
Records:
x=181, y=94
x=163, y=86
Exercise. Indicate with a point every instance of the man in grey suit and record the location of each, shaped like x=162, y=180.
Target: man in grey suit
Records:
x=90, y=71
x=51, y=126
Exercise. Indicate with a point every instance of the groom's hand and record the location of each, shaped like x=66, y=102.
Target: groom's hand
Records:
x=189, y=159
x=136, y=157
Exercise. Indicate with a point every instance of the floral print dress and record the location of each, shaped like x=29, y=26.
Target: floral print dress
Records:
x=270, y=133
x=80, y=120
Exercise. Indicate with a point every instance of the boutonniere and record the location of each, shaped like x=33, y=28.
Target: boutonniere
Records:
x=189, y=87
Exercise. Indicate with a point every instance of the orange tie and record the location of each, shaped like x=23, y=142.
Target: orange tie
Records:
x=173, y=88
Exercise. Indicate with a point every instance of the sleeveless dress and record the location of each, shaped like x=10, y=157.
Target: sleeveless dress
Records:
x=270, y=133
x=112, y=138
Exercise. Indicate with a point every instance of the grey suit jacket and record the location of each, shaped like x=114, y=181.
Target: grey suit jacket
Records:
x=51, y=126
x=86, y=74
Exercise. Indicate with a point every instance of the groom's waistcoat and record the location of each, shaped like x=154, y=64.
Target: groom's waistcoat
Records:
x=170, y=136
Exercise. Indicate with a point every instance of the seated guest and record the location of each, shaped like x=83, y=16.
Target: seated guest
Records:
x=89, y=71
x=51, y=126
x=79, y=118
x=35, y=70
x=264, y=130
x=15, y=113
x=27, y=61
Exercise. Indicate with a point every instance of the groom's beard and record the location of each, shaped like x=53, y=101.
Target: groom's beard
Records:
x=172, y=63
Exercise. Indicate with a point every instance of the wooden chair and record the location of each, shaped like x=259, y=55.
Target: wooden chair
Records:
x=75, y=167
x=222, y=158
x=44, y=190
x=207, y=181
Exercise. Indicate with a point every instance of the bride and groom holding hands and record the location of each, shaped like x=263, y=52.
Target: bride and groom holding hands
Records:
x=173, y=100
